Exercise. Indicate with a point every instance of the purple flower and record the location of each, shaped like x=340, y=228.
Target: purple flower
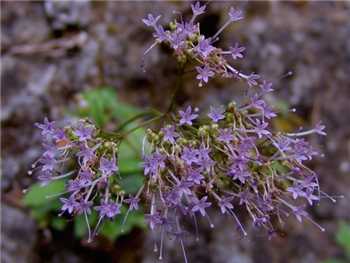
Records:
x=261, y=105
x=252, y=79
x=204, y=160
x=87, y=154
x=260, y=128
x=266, y=86
x=197, y=9
x=309, y=182
x=187, y=116
x=74, y=185
x=260, y=221
x=225, y=135
x=319, y=129
x=201, y=205
x=109, y=210
x=160, y=34
x=170, y=134
x=296, y=191
x=86, y=173
x=151, y=20
x=173, y=198
x=47, y=128
x=154, y=220
x=235, y=14
x=310, y=197
x=183, y=188
x=216, y=113
x=83, y=132
x=299, y=213
x=133, y=202
x=302, y=150
x=203, y=152
x=188, y=28
x=239, y=171
x=85, y=178
x=204, y=73
x=83, y=206
x=59, y=134
x=225, y=204
x=68, y=204
x=153, y=163
x=204, y=48
x=108, y=167
x=45, y=177
x=48, y=162
x=236, y=51
x=189, y=155
x=194, y=176
x=244, y=197
x=177, y=40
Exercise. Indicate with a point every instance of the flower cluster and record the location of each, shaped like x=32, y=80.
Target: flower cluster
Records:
x=231, y=160
x=190, y=45
x=87, y=160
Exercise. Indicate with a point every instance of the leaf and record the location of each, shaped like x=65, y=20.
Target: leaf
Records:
x=131, y=183
x=80, y=226
x=279, y=167
x=58, y=223
x=127, y=166
x=343, y=237
x=114, y=229
x=38, y=195
x=102, y=104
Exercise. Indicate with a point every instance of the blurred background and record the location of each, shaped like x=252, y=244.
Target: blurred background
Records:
x=63, y=58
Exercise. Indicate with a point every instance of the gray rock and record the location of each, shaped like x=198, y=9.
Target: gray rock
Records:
x=68, y=13
x=18, y=233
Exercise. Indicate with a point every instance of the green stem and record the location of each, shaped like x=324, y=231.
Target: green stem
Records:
x=152, y=111
x=177, y=87
x=145, y=123
x=137, y=116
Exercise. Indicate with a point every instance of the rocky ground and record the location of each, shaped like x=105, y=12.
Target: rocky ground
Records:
x=51, y=51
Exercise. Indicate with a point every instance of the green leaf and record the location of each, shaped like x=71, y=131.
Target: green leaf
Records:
x=58, y=223
x=114, y=229
x=127, y=166
x=80, y=226
x=102, y=104
x=39, y=195
x=279, y=167
x=343, y=237
x=131, y=183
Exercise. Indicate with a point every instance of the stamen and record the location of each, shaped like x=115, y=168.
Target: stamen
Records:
x=149, y=49
x=63, y=175
x=222, y=28
x=155, y=247
x=238, y=222
x=161, y=244
x=210, y=222
x=196, y=226
x=88, y=225
x=181, y=241
x=124, y=220
x=95, y=233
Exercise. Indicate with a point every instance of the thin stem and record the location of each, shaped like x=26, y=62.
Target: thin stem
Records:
x=137, y=116
x=180, y=73
x=145, y=123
